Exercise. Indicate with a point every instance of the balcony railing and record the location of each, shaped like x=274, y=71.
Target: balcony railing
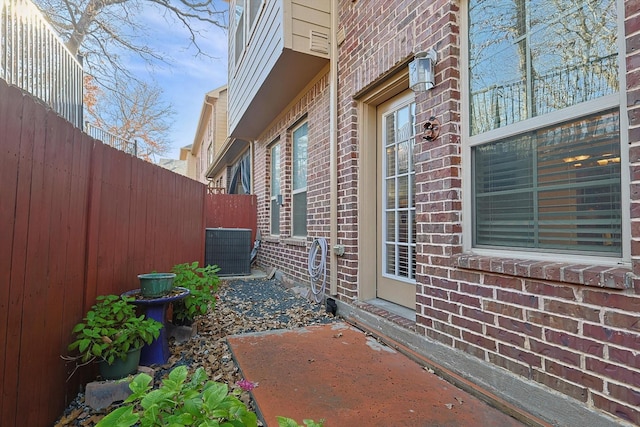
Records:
x=33, y=58
x=496, y=106
x=114, y=141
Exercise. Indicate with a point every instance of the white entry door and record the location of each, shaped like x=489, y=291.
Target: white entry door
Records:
x=396, y=201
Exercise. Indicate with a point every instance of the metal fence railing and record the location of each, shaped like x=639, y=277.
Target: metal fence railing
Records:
x=114, y=141
x=497, y=106
x=33, y=58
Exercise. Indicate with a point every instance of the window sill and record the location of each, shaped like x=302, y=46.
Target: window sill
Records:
x=295, y=241
x=611, y=277
x=271, y=238
x=291, y=241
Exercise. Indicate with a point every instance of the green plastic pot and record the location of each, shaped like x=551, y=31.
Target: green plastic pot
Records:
x=153, y=285
x=120, y=368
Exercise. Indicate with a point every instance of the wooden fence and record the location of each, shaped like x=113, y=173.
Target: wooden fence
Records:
x=232, y=211
x=77, y=219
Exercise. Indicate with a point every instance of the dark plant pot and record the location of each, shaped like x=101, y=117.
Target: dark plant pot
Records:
x=181, y=322
x=153, y=285
x=120, y=368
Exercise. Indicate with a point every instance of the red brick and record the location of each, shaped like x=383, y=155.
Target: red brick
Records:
x=520, y=354
x=446, y=306
x=422, y=323
x=549, y=290
x=436, y=314
x=465, y=323
x=475, y=289
x=624, y=357
x=624, y=412
x=505, y=336
x=526, y=328
x=574, y=310
x=503, y=281
x=552, y=320
x=574, y=342
x=479, y=315
x=622, y=321
x=620, y=338
x=625, y=394
x=550, y=351
x=517, y=298
x=612, y=300
x=615, y=372
x=504, y=309
x=574, y=375
x=479, y=340
x=574, y=273
x=559, y=384
x=467, y=300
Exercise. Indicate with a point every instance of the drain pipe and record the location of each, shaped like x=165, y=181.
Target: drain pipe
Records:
x=333, y=150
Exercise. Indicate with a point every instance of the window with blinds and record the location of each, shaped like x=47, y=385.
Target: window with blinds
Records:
x=545, y=188
x=556, y=188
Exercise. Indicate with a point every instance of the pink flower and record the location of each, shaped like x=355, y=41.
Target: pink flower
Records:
x=246, y=385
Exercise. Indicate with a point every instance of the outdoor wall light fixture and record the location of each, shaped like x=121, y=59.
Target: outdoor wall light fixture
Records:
x=421, y=71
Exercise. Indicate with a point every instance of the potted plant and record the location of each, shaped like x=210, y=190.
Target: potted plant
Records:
x=154, y=285
x=113, y=334
x=202, y=283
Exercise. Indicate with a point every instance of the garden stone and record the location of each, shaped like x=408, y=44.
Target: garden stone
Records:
x=101, y=394
x=181, y=334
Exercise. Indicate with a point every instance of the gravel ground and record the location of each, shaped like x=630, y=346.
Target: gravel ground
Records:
x=243, y=306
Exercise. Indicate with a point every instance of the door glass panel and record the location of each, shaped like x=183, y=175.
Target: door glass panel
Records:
x=391, y=194
x=399, y=203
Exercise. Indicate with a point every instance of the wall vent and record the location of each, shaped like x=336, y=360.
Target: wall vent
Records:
x=319, y=42
x=229, y=249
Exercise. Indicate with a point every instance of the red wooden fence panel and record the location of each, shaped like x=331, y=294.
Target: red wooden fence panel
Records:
x=16, y=159
x=232, y=211
x=78, y=219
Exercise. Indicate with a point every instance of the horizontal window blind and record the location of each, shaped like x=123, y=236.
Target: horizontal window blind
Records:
x=556, y=188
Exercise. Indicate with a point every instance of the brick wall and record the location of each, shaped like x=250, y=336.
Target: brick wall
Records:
x=570, y=327
x=573, y=328
x=288, y=254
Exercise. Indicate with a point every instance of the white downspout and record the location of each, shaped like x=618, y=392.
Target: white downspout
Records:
x=333, y=150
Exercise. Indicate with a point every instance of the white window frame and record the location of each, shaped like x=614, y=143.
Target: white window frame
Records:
x=410, y=210
x=560, y=116
x=296, y=191
x=247, y=26
x=273, y=196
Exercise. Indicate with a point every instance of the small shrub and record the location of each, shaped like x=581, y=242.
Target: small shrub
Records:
x=178, y=402
x=202, y=283
x=111, y=328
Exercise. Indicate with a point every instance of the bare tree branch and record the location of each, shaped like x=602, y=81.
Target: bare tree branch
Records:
x=107, y=33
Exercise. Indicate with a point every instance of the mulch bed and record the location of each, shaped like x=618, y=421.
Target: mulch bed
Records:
x=243, y=306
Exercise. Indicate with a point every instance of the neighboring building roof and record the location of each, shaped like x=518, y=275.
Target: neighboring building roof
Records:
x=177, y=166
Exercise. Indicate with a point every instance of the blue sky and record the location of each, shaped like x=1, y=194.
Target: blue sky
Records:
x=188, y=77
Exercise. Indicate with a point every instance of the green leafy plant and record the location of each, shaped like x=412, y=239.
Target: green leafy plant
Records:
x=111, y=329
x=202, y=283
x=181, y=402
x=289, y=422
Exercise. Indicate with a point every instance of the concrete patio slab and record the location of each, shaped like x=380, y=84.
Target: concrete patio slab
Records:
x=338, y=373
